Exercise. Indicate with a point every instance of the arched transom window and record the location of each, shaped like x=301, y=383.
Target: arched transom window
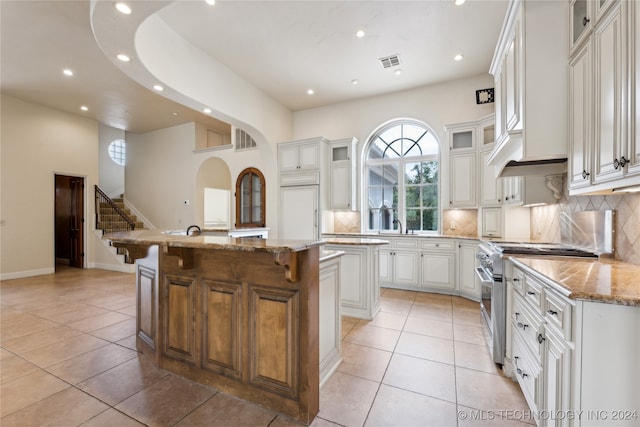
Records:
x=402, y=163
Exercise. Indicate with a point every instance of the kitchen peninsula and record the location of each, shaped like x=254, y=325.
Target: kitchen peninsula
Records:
x=240, y=315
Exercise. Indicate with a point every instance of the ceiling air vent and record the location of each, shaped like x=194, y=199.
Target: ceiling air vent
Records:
x=390, y=61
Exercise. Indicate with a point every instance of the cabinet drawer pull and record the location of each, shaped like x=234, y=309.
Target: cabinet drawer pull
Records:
x=517, y=314
x=585, y=21
x=515, y=279
x=585, y=174
x=540, y=338
x=553, y=313
x=522, y=326
x=530, y=293
x=522, y=373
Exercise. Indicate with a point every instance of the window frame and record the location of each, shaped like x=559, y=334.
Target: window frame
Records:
x=399, y=211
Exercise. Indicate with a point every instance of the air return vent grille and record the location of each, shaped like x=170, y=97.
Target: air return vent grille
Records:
x=244, y=140
x=390, y=61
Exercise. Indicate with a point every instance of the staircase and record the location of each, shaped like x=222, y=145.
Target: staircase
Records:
x=110, y=221
x=112, y=216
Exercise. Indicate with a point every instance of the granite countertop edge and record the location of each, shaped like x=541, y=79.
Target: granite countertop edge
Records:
x=574, y=285
x=153, y=237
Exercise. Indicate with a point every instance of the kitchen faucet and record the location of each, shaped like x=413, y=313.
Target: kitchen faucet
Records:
x=197, y=232
x=397, y=221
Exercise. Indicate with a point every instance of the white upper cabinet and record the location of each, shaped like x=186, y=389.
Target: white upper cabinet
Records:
x=603, y=100
x=462, y=164
x=342, y=174
x=580, y=113
x=530, y=75
x=294, y=156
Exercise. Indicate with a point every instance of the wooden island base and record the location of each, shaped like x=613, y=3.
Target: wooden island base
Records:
x=242, y=321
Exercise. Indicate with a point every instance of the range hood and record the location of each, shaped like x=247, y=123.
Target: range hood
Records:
x=512, y=158
x=534, y=167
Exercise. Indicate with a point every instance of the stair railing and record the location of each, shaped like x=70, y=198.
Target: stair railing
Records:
x=103, y=200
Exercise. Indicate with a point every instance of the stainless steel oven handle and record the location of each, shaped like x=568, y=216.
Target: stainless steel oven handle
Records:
x=482, y=274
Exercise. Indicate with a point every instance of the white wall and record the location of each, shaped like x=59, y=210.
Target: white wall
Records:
x=162, y=172
x=38, y=143
x=436, y=105
x=111, y=173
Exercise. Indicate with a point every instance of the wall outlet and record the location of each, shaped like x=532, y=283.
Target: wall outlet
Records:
x=452, y=225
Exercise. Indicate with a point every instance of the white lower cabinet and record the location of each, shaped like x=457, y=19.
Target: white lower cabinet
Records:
x=360, y=285
x=330, y=323
x=437, y=271
x=419, y=263
x=468, y=282
x=576, y=361
x=399, y=267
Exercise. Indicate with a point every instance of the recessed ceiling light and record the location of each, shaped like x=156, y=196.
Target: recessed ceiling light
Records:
x=122, y=57
x=67, y=72
x=458, y=57
x=310, y=91
x=355, y=82
x=360, y=33
x=459, y=2
x=207, y=110
x=158, y=88
x=123, y=8
x=398, y=71
x=210, y=2
x=84, y=108
x=175, y=113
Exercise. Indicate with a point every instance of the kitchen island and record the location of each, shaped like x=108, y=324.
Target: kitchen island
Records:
x=237, y=314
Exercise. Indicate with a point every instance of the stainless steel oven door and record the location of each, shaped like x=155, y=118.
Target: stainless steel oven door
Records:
x=493, y=310
x=485, y=302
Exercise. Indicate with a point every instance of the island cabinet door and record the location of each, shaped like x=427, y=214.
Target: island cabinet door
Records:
x=273, y=339
x=222, y=334
x=179, y=315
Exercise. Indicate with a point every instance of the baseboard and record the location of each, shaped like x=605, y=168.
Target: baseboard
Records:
x=122, y=268
x=29, y=273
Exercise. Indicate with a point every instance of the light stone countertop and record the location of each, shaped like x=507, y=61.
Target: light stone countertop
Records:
x=328, y=254
x=589, y=279
x=356, y=241
x=383, y=236
x=155, y=237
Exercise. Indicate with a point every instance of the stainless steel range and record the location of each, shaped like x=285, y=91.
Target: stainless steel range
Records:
x=583, y=234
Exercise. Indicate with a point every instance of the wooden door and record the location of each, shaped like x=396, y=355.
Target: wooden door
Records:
x=69, y=220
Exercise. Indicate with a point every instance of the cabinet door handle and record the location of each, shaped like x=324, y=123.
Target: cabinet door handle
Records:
x=585, y=21
x=522, y=373
x=616, y=164
x=623, y=162
x=517, y=314
x=540, y=338
x=515, y=279
x=530, y=293
x=585, y=174
x=553, y=313
x=522, y=326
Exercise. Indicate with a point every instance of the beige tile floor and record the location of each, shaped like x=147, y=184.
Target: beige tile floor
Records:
x=68, y=358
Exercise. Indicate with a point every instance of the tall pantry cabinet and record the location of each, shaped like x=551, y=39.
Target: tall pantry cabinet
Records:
x=300, y=203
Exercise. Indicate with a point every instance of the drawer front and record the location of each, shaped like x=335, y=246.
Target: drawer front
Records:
x=440, y=245
x=289, y=179
x=528, y=373
x=533, y=293
x=528, y=325
x=518, y=281
x=405, y=243
x=557, y=311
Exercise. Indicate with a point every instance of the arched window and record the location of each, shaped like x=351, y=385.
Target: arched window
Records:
x=250, y=199
x=402, y=164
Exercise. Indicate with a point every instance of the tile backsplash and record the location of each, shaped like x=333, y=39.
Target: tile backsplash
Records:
x=346, y=222
x=460, y=222
x=545, y=221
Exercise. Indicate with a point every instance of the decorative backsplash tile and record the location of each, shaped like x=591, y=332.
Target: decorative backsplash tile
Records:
x=346, y=222
x=460, y=222
x=545, y=221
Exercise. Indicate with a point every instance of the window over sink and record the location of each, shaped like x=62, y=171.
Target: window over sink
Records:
x=402, y=177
